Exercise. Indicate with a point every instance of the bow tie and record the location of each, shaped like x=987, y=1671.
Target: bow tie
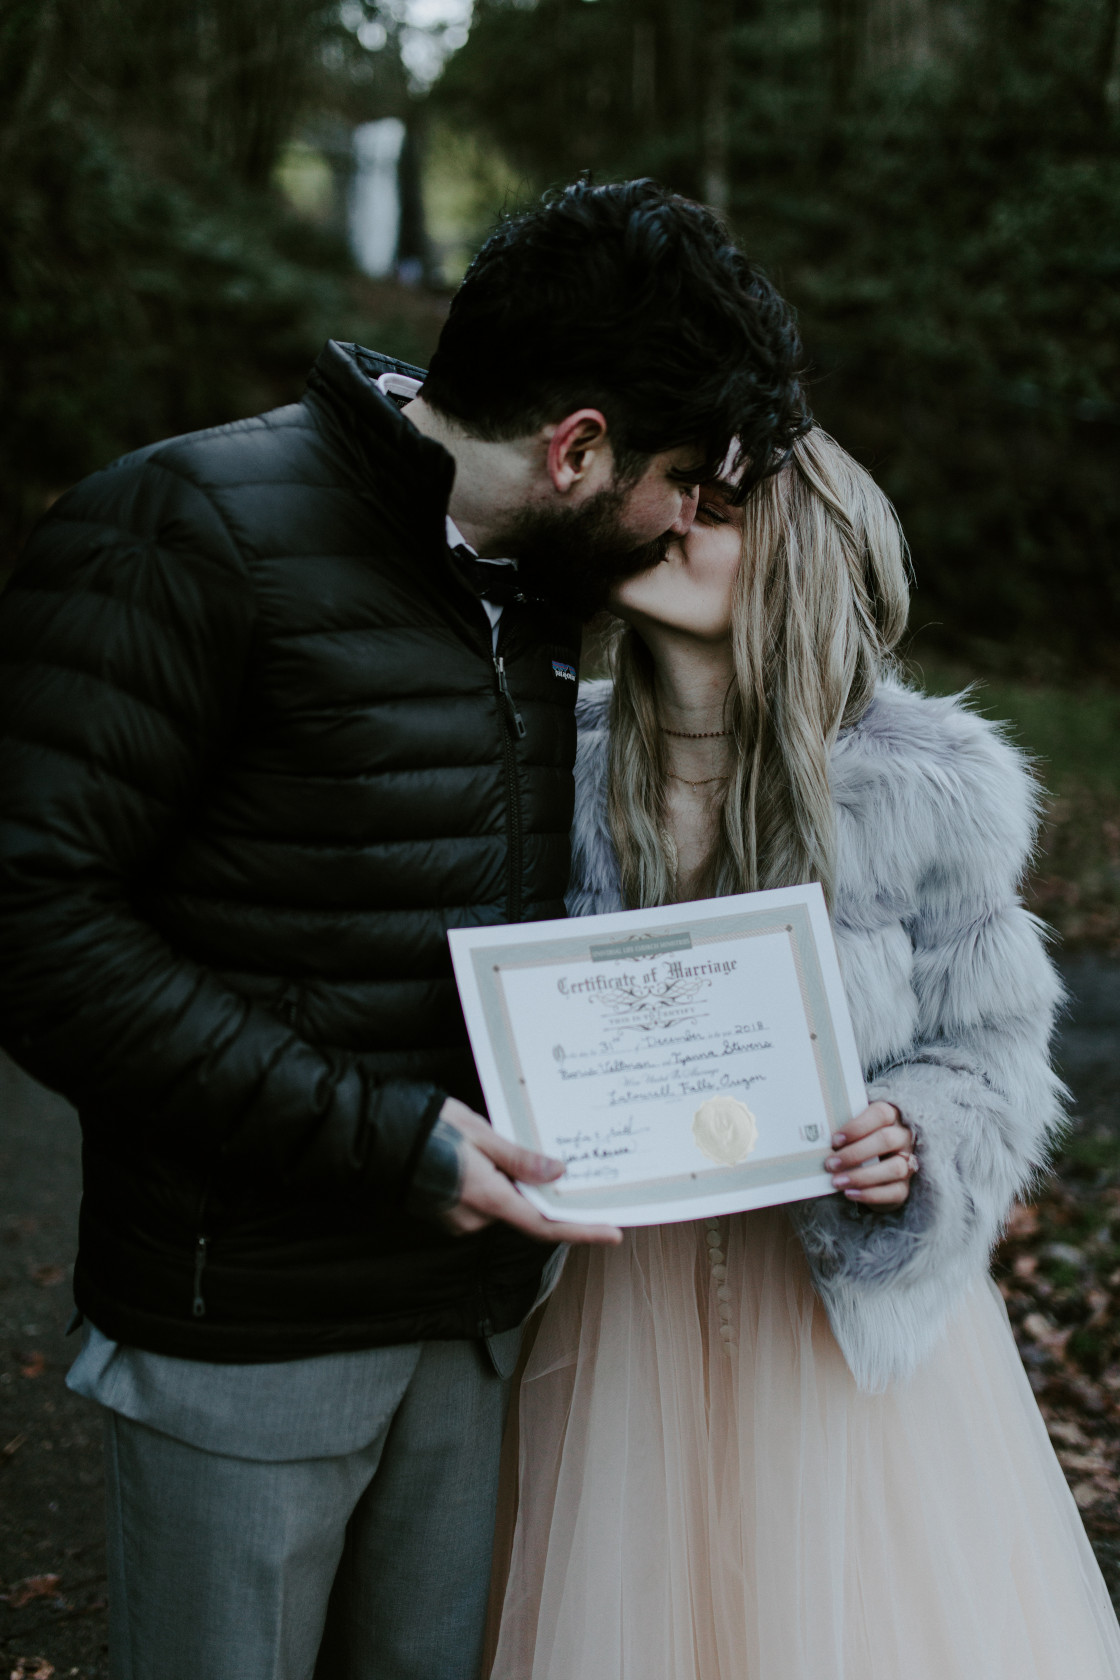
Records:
x=497, y=584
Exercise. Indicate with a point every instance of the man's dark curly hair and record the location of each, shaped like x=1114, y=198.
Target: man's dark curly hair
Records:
x=632, y=300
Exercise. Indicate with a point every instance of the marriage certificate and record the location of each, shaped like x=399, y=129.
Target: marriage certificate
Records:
x=682, y=1062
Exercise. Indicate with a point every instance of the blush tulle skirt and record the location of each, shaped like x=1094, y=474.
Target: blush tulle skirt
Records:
x=695, y=1489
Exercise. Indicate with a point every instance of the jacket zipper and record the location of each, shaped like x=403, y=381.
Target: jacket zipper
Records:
x=201, y=1242
x=513, y=725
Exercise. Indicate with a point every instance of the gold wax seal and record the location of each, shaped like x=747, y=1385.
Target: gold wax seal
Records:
x=725, y=1130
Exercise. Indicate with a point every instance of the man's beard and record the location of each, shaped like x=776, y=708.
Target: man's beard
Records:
x=573, y=557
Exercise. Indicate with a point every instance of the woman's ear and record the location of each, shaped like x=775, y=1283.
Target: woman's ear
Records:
x=576, y=446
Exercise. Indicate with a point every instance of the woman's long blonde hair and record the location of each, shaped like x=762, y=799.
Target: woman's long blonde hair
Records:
x=820, y=602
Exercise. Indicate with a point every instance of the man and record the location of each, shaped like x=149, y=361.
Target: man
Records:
x=275, y=718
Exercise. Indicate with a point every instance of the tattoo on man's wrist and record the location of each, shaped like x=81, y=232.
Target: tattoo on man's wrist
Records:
x=438, y=1179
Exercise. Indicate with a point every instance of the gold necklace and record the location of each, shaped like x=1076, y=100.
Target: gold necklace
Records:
x=704, y=782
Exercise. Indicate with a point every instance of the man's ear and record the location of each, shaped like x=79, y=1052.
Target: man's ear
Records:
x=575, y=447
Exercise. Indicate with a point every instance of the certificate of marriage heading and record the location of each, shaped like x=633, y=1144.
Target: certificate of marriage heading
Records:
x=682, y=1062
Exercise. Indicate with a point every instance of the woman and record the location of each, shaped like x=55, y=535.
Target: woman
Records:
x=798, y=1444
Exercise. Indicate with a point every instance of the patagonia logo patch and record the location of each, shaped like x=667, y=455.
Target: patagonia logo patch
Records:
x=559, y=669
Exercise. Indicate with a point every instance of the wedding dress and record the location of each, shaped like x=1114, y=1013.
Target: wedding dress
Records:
x=695, y=1488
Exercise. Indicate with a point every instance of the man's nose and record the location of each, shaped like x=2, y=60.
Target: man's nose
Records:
x=682, y=524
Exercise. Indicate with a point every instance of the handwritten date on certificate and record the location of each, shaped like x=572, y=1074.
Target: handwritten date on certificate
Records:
x=670, y=1066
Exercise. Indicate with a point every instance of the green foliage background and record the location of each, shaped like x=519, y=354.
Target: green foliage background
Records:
x=934, y=183
x=937, y=189
x=151, y=281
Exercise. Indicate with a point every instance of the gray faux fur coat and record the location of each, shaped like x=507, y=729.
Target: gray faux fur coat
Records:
x=952, y=996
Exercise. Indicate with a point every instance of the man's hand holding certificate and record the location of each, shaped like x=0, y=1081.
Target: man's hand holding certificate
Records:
x=681, y=1062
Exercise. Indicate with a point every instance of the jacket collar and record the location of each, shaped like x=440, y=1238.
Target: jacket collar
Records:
x=344, y=381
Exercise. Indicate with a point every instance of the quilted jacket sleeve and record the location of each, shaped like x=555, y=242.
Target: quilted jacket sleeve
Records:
x=976, y=1083
x=124, y=639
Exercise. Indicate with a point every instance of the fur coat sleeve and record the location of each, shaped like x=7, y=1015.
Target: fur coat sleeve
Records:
x=952, y=997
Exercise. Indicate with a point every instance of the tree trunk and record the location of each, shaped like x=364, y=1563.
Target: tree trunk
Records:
x=257, y=80
x=1108, y=58
x=644, y=78
x=414, y=254
x=715, y=161
x=845, y=25
x=30, y=41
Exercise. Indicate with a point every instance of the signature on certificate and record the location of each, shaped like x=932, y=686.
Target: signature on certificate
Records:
x=591, y=1155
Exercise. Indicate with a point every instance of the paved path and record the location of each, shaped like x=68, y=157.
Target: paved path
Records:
x=50, y=1499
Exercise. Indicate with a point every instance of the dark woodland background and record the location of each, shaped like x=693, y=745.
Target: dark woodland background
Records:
x=935, y=184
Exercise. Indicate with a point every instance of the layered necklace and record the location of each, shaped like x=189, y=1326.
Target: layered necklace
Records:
x=697, y=735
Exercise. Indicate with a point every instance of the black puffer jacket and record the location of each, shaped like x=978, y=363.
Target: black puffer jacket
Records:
x=254, y=761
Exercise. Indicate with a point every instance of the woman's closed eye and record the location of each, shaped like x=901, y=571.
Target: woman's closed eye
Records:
x=715, y=513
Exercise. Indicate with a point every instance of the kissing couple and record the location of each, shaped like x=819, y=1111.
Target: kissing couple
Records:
x=284, y=702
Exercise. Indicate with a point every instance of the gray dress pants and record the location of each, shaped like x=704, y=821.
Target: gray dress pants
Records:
x=368, y=1564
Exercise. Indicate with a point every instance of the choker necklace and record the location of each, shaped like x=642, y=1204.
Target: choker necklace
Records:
x=703, y=783
x=700, y=735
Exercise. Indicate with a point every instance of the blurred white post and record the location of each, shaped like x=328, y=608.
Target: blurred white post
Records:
x=375, y=200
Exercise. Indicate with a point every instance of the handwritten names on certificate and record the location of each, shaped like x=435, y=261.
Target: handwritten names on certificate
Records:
x=621, y=1054
x=681, y=1061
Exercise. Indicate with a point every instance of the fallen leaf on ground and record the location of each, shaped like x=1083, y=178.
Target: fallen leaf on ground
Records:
x=1099, y=1302
x=1083, y=1461
x=35, y=1586
x=1047, y=1335
x=47, y=1276
x=32, y=1668
x=1022, y=1222
x=33, y=1365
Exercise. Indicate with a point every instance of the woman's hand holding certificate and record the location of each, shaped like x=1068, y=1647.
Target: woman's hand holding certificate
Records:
x=680, y=1062
x=874, y=1160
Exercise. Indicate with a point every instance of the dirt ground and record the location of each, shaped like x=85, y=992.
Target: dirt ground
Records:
x=52, y=1563
x=52, y=1571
